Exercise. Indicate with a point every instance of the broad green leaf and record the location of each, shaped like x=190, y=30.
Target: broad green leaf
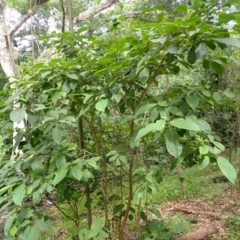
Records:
x=176, y=111
x=57, y=134
x=60, y=175
x=30, y=233
x=203, y=149
x=144, y=131
x=92, y=233
x=13, y=231
x=229, y=94
x=218, y=145
x=9, y=222
x=19, y=194
x=73, y=84
x=60, y=161
x=181, y=8
x=76, y=171
x=17, y=115
x=217, y=97
x=101, y=105
x=217, y=67
x=92, y=163
x=171, y=28
x=192, y=101
x=66, y=87
x=37, y=166
x=86, y=175
x=192, y=57
x=41, y=224
x=173, y=49
x=204, y=163
x=144, y=76
x=227, y=169
x=228, y=41
x=201, y=51
x=37, y=197
x=155, y=212
x=174, y=148
x=185, y=124
x=72, y=76
x=145, y=107
x=161, y=40
x=44, y=74
x=4, y=189
x=159, y=126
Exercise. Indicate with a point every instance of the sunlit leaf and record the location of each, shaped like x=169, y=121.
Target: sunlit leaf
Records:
x=192, y=101
x=60, y=175
x=185, y=124
x=17, y=115
x=19, y=194
x=101, y=105
x=144, y=76
x=227, y=169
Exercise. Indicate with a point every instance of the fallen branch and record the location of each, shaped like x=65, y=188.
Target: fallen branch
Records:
x=197, y=212
x=199, y=234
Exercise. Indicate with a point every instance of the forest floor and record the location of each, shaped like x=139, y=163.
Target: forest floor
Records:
x=206, y=205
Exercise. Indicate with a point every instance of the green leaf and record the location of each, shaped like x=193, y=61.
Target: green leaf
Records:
x=174, y=148
x=57, y=134
x=66, y=87
x=101, y=105
x=73, y=84
x=227, y=169
x=92, y=163
x=192, y=57
x=41, y=224
x=155, y=212
x=229, y=94
x=61, y=161
x=60, y=175
x=217, y=67
x=4, y=189
x=144, y=131
x=159, y=125
x=37, y=166
x=30, y=233
x=228, y=41
x=192, y=101
x=44, y=74
x=17, y=115
x=173, y=49
x=144, y=76
x=201, y=51
x=9, y=222
x=185, y=124
x=204, y=163
x=217, y=97
x=72, y=76
x=145, y=107
x=203, y=149
x=181, y=8
x=19, y=194
x=218, y=145
x=76, y=172
x=161, y=40
x=86, y=175
x=176, y=111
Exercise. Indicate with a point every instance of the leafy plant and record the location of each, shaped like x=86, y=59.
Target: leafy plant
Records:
x=98, y=85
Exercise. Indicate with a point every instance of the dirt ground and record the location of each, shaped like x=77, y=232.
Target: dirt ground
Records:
x=204, y=213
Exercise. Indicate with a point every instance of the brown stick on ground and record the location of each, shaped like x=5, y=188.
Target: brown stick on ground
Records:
x=199, y=234
x=197, y=212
